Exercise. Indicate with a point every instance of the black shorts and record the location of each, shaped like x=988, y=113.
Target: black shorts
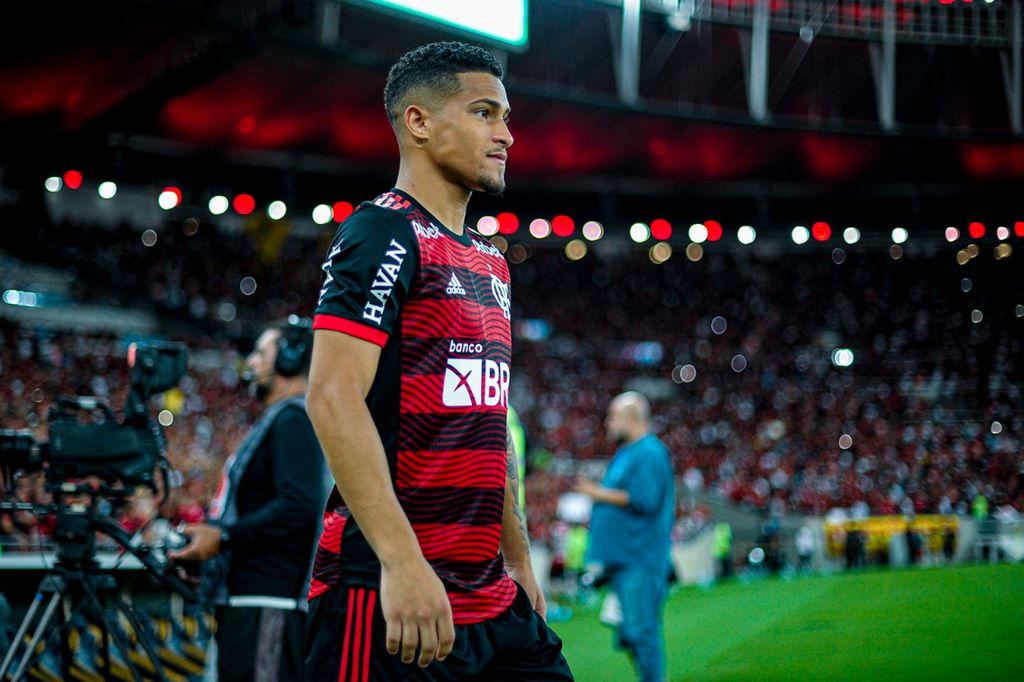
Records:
x=345, y=642
x=260, y=644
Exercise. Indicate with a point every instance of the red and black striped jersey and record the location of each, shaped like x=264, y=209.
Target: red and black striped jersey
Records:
x=438, y=305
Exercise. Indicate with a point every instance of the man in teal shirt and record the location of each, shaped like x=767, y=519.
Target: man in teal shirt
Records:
x=630, y=529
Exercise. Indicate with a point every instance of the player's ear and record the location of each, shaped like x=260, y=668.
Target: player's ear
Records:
x=417, y=123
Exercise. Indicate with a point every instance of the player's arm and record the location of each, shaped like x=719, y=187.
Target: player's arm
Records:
x=413, y=599
x=515, y=542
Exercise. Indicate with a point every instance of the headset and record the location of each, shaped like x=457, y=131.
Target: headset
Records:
x=294, y=346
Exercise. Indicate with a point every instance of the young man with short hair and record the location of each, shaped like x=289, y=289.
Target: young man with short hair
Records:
x=424, y=555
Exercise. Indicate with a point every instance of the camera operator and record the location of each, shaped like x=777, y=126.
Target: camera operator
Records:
x=265, y=518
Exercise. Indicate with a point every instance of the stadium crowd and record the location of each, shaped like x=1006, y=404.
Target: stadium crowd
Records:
x=736, y=350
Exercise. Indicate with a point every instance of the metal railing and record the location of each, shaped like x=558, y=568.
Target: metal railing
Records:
x=978, y=24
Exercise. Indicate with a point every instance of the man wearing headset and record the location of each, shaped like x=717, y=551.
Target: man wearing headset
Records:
x=265, y=518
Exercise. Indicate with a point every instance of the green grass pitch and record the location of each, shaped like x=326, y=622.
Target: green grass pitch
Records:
x=941, y=623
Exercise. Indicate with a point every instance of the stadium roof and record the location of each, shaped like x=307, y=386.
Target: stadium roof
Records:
x=286, y=94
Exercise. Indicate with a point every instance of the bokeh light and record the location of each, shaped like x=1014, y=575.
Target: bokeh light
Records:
x=660, y=252
x=107, y=190
x=661, y=229
x=576, y=249
x=277, y=210
x=219, y=204
x=322, y=214
x=508, y=223
x=714, y=229
x=342, y=210
x=540, y=228
x=169, y=197
x=639, y=232
x=563, y=226
x=487, y=225
x=593, y=230
x=245, y=204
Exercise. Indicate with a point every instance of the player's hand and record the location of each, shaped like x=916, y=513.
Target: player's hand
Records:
x=525, y=577
x=204, y=542
x=417, y=612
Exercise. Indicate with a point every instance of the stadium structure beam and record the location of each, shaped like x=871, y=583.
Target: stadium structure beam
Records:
x=757, y=74
x=330, y=22
x=883, y=68
x=627, y=62
x=1011, y=63
x=799, y=50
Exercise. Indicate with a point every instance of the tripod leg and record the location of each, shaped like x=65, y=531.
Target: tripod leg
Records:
x=22, y=629
x=36, y=636
x=110, y=632
x=141, y=634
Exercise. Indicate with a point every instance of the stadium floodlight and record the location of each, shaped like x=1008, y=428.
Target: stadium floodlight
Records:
x=501, y=21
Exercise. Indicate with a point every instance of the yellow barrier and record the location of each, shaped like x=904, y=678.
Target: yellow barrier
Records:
x=878, y=531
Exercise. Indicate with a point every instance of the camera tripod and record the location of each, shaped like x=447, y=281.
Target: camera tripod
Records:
x=78, y=585
x=77, y=590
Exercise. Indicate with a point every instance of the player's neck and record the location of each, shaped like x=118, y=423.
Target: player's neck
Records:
x=445, y=201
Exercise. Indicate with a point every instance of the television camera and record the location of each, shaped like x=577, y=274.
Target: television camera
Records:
x=89, y=458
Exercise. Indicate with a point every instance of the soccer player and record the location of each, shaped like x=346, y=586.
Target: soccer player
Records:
x=424, y=555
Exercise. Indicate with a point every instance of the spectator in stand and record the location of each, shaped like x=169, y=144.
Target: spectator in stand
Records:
x=933, y=405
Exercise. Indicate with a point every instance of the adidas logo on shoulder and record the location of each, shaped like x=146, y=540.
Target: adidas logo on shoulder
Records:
x=455, y=287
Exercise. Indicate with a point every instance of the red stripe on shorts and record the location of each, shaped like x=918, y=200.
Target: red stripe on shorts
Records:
x=346, y=636
x=372, y=601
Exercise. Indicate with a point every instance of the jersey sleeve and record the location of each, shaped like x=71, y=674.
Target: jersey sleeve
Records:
x=647, y=481
x=367, y=275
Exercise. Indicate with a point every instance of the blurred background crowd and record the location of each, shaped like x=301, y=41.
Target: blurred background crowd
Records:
x=781, y=381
